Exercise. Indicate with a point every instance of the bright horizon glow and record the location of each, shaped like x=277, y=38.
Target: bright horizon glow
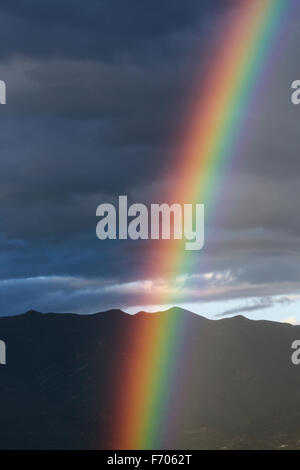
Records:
x=278, y=312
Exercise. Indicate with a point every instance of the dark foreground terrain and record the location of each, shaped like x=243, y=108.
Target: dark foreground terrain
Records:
x=240, y=388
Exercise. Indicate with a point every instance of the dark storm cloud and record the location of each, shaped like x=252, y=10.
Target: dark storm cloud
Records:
x=102, y=29
x=54, y=173
x=82, y=87
x=98, y=94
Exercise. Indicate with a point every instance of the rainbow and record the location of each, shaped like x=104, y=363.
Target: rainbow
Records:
x=225, y=94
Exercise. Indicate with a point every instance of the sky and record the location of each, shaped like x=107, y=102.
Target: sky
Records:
x=98, y=95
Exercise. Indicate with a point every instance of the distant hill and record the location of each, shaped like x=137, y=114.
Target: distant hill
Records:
x=237, y=385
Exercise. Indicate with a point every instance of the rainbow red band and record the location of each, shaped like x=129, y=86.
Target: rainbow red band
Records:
x=150, y=369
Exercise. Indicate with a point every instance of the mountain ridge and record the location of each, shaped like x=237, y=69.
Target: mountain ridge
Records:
x=33, y=312
x=235, y=384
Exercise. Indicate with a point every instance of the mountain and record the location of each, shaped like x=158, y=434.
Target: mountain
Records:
x=237, y=387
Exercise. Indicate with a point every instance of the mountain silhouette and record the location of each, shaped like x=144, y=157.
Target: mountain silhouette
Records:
x=236, y=386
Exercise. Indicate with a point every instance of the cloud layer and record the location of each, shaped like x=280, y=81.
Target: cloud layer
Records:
x=98, y=97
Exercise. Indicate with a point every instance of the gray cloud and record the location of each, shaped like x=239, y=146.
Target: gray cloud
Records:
x=254, y=305
x=106, y=30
